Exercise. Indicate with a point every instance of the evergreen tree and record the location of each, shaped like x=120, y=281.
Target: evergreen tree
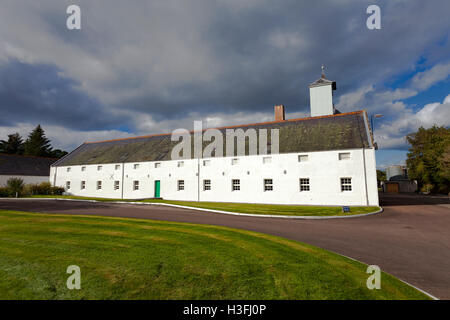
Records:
x=37, y=143
x=14, y=144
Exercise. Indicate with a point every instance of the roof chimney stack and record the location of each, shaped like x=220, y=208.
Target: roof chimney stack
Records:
x=279, y=113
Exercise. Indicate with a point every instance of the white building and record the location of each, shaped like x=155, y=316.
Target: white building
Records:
x=322, y=160
x=31, y=170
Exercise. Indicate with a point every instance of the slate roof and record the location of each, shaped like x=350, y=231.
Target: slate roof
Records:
x=334, y=132
x=12, y=164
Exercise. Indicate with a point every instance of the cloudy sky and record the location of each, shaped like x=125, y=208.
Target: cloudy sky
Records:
x=142, y=67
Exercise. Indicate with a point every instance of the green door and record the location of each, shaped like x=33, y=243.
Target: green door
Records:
x=157, y=189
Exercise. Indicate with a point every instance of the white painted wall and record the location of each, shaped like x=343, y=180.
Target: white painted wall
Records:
x=324, y=169
x=321, y=100
x=26, y=179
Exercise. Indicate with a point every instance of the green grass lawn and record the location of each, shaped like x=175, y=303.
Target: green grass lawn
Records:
x=144, y=259
x=267, y=209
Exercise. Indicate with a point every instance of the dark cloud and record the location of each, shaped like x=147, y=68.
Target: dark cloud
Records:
x=39, y=93
x=167, y=59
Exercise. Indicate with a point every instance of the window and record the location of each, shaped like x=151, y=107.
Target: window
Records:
x=206, y=185
x=234, y=161
x=346, y=184
x=116, y=185
x=67, y=185
x=99, y=185
x=158, y=165
x=267, y=159
x=83, y=168
x=304, y=184
x=68, y=169
x=344, y=156
x=117, y=167
x=99, y=168
x=180, y=185
x=302, y=158
x=180, y=164
x=135, y=185
x=83, y=185
x=268, y=185
x=235, y=185
x=206, y=163
x=136, y=166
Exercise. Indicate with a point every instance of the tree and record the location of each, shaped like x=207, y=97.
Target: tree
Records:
x=37, y=143
x=57, y=153
x=14, y=144
x=381, y=176
x=428, y=159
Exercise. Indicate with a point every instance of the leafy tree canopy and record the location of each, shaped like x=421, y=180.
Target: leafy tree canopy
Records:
x=428, y=159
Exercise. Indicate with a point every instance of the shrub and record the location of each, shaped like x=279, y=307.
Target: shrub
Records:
x=15, y=186
x=4, y=192
x=45, y=188
x=57, y=190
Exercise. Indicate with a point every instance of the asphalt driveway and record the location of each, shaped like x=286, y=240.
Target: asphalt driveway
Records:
x=410, y=239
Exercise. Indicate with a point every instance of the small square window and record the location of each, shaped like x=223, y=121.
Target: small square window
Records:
x=268, y=185
x=116, y=185
x=234, y=161
x=206, y=185
x=206, y=163
x=83, y=185
x=158, y=165
x=235, y=185
x=83, y=168
x=180, y=164
x=117, y=167
x=344, y=156
x=304, y=184
x=346, y=184
x=135, y=185
x=180, y=185
x=267, y=160
x=67, y=185
x=99, y=185
x=303, y=158
x=99, y=168
x=136, y=166
x=68, y=169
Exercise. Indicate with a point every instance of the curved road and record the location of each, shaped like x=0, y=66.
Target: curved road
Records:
x=410, y=239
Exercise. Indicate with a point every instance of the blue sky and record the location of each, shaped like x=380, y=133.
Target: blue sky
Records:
x=154, y=66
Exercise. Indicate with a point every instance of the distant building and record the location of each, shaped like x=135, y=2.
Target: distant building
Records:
x=29, y=169
x=397, y=180
x=326, y=159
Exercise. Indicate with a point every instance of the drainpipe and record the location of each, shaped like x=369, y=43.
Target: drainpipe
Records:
x=365, y=176
x=198, y=179
x=123, y=171
x=54, y=177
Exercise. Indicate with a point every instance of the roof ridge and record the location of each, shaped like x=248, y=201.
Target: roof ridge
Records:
x=234, y=126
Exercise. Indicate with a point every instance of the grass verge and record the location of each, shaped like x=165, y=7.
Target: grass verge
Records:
x=252, y=208
x=144, y=259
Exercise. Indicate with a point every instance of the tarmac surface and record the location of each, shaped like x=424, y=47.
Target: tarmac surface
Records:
x=410, y=239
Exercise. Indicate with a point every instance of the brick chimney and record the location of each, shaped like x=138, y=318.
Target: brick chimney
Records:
x=279, y=113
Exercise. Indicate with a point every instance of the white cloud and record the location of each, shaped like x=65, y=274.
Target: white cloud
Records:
x=391, y=134
x=424, y=80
